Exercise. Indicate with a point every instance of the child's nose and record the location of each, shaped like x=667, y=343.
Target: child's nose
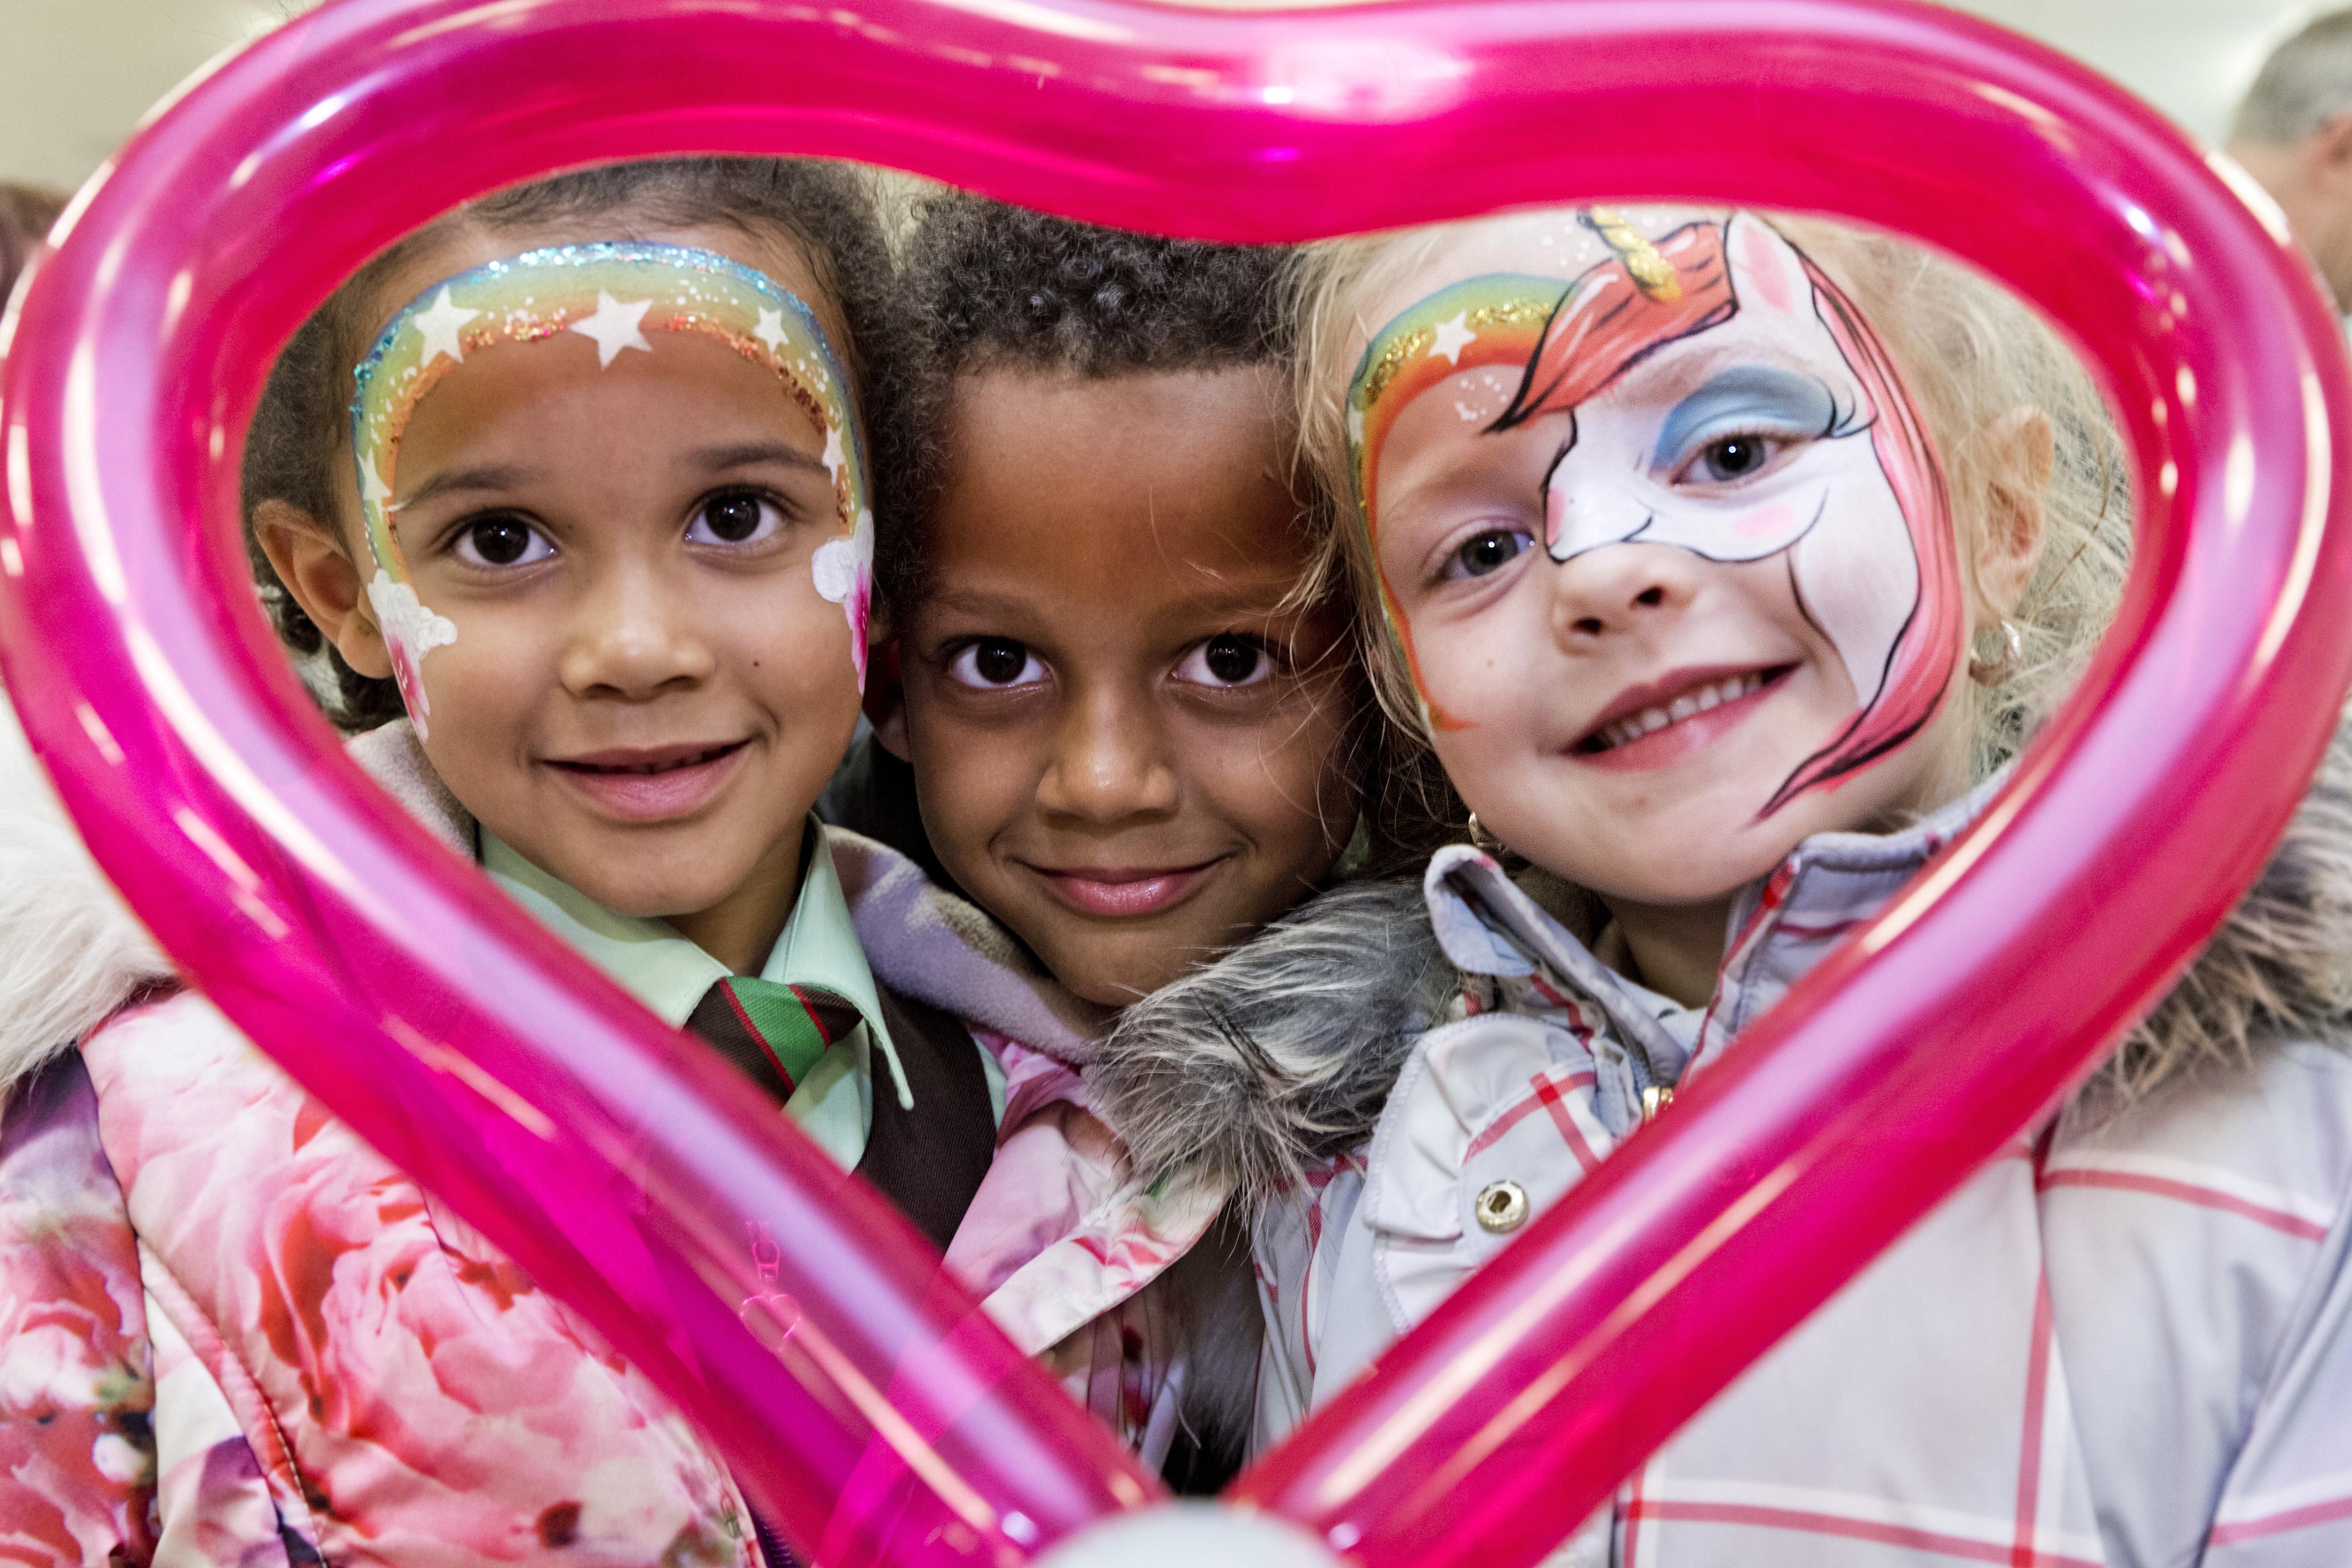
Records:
x=1619, y=588
x=634, y=636
x=1108, y=764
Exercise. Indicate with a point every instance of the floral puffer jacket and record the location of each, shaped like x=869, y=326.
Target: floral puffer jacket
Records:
x=230, y=1332
x=2128, y=1342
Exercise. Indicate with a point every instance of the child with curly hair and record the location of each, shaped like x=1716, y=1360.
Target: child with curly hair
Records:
x=1130, y=735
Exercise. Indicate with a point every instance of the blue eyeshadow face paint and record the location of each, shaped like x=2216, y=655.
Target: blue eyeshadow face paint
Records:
x=1767, y=435
x=1744, y=400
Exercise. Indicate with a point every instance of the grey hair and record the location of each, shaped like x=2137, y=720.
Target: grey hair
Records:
x=2305, y=83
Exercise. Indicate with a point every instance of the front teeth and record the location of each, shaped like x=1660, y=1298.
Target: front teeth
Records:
x=1634, y=726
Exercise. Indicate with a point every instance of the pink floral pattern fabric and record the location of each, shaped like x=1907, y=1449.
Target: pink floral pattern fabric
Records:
x=1064, y=1245
x=77, y=1449
x=236, y=1334
x=402, y=1394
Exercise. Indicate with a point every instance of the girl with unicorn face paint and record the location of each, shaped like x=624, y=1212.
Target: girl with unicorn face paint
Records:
x=1722, y=562
x=1665, y=552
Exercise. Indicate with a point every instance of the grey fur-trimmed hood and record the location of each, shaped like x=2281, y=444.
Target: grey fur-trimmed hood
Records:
x=1283, y=1052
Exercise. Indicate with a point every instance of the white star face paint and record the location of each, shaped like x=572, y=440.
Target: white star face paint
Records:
x=614, y=327
x=612, y=294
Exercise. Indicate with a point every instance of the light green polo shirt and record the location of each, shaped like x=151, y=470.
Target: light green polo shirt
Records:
x=834, y=1103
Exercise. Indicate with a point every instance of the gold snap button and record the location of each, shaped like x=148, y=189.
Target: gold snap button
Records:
x=1502, y=1207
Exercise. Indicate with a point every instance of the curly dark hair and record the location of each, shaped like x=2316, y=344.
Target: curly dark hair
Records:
x=27, y=214
x=296, y=451
x=984, y=286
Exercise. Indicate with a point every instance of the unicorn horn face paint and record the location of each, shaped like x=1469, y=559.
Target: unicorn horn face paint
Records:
x=1662, y=538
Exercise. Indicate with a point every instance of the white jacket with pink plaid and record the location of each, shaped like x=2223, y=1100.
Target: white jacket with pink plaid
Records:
x=2126, y=1342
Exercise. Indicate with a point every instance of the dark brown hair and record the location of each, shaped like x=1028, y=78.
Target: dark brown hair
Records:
x=985, y=286
x=297, y=451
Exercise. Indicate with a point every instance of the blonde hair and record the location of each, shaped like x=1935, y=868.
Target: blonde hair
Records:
x=1969, y=355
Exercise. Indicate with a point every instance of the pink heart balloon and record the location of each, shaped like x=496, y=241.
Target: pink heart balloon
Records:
x=892, y=1420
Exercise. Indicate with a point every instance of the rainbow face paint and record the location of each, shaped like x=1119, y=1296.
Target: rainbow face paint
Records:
x=615, y=294
x=1764, y=356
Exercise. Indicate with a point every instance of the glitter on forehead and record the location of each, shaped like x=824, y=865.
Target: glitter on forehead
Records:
x=1487, y=322
x=1403, y=344
x=1490, y=321
x=542, y=294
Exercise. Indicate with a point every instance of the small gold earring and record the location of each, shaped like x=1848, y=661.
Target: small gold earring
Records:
x=1987, y=672
x=1481, y=839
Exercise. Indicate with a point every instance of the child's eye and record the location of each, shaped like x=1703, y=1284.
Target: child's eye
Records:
x=501, y=542
x=739, y=517
x=1735, y=458
x=1488, y=552
x=1743, y=422
x=1732, y=458
x=1226, y=659
x=996, y=664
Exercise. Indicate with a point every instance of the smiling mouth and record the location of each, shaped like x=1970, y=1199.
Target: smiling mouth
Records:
x=651, y=784
x=646, y=762
x=1117, y=893
x=1663, y=711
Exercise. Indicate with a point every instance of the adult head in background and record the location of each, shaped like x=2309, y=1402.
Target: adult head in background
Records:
x=2293, y=134
x=25, y=213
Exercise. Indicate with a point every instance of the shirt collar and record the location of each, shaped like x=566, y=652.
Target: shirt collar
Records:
x=1780, y=926
x=669, y=974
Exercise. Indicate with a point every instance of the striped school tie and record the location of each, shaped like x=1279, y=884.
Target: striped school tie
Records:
x=775, y=1033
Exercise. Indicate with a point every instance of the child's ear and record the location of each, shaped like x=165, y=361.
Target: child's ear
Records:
x=2022, y=449
x=310, y=561
x=885, y=694
x=2327, y=151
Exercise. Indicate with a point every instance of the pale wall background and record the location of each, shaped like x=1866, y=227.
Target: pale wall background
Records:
x=75, y=74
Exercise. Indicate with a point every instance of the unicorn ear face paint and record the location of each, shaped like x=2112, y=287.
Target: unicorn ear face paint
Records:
x=1662, y=538
x=615, y=508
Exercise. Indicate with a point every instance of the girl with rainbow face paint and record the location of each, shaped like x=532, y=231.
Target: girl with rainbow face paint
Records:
x=611, y=533
x=1663, y=546
x=600, y=526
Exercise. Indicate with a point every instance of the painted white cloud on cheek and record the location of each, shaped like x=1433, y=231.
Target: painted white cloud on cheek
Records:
x=843, y=570
x=410, y=632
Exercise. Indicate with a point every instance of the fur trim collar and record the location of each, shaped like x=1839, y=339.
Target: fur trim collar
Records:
x=1282, y=1053
x=71, y=950
x=71, y=953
